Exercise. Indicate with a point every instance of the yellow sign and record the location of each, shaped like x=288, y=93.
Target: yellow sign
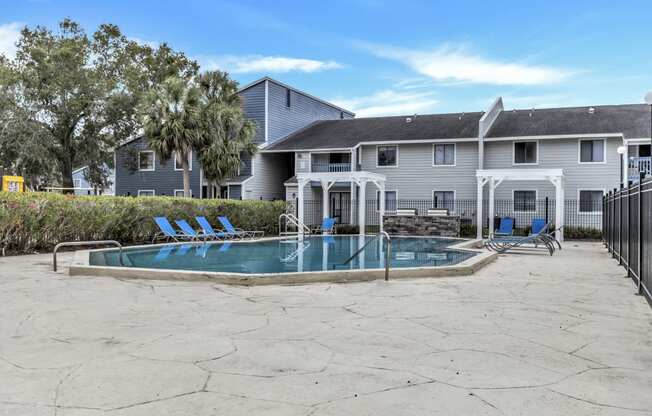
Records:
x=13, y=184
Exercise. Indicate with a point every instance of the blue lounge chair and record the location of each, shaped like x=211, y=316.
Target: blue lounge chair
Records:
x=506, y=227
x=505, y=243
x=188, y=230
x=208, y=229
x=538, y=224
x=238, y=232
x=168, y=232
x=327, y=226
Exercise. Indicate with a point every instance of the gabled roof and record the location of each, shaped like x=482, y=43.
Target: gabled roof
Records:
x=348, y=133
x=630, y=120
x=266, y=78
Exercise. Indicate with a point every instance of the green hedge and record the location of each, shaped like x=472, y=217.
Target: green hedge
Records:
x=32, y=222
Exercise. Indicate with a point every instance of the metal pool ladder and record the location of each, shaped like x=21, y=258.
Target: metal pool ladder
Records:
x=84, y=243
x=388, y=252
x=291, y=219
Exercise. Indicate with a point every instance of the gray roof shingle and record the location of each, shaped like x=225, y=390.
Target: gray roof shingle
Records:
x=347, y=133
x=632, y=120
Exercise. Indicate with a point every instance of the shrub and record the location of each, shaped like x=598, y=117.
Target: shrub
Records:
x=468, y=230
x=346, y=229
x=582, y=233
x=35, y=221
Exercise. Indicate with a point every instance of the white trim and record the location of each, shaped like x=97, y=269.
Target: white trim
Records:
x=536, y=198
x=147, y=190
x=153, y=161
x=432, y=194
x=386, y=166
x=579, y=190
x=266, y=110
x=554, y=136
x=454, y=155
x=639, y=141
x=80, y=169
x=189, y=162
x=514, y=153
x=579, y=151
x=373, y=142
x=378, y=200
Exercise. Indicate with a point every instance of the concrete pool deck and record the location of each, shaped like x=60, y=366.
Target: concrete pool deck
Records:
x=528, y=334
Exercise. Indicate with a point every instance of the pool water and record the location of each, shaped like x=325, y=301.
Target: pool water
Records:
x=288, y=255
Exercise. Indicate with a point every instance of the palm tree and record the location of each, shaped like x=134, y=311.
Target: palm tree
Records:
x=227, y=133
x=172, y=122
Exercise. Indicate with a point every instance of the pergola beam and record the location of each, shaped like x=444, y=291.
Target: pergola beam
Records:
x=496, y=176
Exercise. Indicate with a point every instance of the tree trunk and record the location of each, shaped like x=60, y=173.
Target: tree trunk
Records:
x=65, y=167
x=186, y=175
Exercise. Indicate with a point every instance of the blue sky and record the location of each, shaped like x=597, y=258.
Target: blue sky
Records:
x=382, y=58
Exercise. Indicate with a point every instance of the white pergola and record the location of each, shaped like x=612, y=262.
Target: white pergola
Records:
x=494, y=177
x=328, y=179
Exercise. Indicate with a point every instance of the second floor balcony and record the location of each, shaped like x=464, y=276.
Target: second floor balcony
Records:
x=331, y=167
x=638, y=165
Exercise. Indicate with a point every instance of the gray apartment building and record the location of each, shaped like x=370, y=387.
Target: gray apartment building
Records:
x=432, y=159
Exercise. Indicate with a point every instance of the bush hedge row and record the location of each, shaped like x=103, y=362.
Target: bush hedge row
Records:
x=31, y=222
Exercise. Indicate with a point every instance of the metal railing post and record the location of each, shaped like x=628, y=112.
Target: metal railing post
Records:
x=629, y=234
x=640, y=233
x=620, y=224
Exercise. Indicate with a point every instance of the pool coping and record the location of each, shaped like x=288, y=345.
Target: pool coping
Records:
x=81, y=267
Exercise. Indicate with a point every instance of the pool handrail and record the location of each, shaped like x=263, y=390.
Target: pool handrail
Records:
x=388, y=252
x=294, y=221
x=84, y=243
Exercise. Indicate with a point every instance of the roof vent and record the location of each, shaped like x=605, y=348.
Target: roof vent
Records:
x=591, y=110
x=408, y=119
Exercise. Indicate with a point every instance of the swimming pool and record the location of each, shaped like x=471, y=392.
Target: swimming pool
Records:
x=280, y=260
x=288, y=255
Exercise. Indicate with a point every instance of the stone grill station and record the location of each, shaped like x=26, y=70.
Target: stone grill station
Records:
x=422, y=225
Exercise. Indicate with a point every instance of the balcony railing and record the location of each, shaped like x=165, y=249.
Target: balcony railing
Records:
x=331, y=167
x=638, y=165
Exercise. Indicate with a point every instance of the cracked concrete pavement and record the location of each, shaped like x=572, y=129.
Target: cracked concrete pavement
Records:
x=527, y=335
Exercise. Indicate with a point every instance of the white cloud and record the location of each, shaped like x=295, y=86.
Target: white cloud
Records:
x=450, y=63
x=240, y=64
x=9, y=35
x=389, y=102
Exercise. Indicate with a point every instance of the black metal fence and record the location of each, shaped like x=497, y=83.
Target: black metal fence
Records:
x=627, y=232
x=585, y=216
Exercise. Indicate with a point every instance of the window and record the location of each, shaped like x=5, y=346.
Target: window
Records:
x=390, y=201
x=444, y=155
x=525, y=153
x=590, y=201
x=178, y=193
x=76, y=183
x=387, y=156
x=146, y=192
x=525, y=201
x=177, y=161
x=146, y=160
x=288, y=98
x=444, y=199
x=592, y=151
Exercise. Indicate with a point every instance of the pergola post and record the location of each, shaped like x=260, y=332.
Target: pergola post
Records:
x=479, y=208
x=492, y=203
x=324, y=199
x=559, y=233
x=300, y=214
x=362, y=206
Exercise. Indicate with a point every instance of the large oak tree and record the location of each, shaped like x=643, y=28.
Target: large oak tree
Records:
x=67, y=99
